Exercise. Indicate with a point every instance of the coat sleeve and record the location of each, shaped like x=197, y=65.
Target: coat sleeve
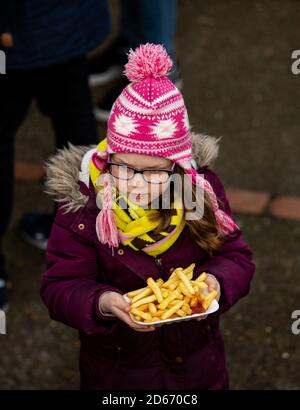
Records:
x=70, y=287
x=232, y=265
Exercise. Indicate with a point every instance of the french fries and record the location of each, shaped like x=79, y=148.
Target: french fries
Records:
x=155, y=288
x=179, y=296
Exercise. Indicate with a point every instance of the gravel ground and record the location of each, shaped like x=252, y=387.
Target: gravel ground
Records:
x=236, y=58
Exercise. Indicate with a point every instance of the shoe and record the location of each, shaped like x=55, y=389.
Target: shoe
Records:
x=3, y=296
x=35, y=228
x=102, y=110
x=108, y=65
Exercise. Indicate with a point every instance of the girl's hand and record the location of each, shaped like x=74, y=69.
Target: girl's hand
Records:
x=213, y=284
x=114, y=303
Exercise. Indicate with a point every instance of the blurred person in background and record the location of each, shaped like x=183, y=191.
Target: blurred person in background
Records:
x=45, y=43
x=140, y=22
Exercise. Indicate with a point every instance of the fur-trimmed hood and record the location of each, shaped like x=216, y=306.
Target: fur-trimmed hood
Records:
x=70, y=165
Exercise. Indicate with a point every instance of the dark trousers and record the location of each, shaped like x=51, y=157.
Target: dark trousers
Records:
x=63, y=94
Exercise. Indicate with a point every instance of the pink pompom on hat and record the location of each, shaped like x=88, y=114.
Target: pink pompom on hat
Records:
x=149, y=117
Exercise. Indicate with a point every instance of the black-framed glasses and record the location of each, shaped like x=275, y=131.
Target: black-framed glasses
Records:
x=152, y=176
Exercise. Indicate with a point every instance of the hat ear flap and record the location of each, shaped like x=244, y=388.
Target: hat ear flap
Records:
x=224, y=222
x=106, y=227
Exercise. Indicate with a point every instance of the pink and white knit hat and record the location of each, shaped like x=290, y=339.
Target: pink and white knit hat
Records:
x=149, y=117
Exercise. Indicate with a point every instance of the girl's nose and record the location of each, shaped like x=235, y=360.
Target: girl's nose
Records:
x=137, y=180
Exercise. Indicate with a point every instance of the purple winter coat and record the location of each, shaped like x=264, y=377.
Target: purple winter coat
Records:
x=186, y=355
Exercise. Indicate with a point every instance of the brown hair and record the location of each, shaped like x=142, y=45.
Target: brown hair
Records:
x=204, y=231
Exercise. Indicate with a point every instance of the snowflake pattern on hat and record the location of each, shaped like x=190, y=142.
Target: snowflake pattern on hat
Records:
x=124, y=125
x=164, y=128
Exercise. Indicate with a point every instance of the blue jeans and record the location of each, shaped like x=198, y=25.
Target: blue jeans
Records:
x=149, y=21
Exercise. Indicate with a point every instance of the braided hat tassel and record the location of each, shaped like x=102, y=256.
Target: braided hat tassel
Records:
x=225, y=222
x=106, y=227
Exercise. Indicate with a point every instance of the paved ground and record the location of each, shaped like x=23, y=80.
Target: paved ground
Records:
x=235, y=58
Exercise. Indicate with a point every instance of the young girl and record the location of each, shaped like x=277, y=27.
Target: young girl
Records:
x=108, y=238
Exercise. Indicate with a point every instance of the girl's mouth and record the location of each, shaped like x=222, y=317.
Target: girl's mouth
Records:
x=138, y=196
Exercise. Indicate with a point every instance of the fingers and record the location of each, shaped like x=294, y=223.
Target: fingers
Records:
x=148, y=329
x=120, y=303
x=124, y=316
x=120, y=308
x=213, y=284
x=201, y=318
x=124, y=308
